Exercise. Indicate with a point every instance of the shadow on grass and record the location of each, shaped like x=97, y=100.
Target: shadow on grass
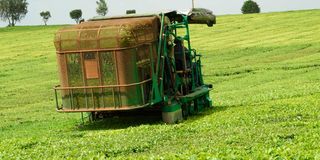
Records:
x=210, y=112
x=142, y=117
x=124, y=120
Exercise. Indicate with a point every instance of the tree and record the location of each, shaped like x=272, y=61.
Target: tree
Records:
x=13, y=10
x=132, y=11
x=76, y=15
x=102, y=8
x=45, y=16
x=250, y=6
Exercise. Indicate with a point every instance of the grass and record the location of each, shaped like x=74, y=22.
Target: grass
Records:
x=265, y=69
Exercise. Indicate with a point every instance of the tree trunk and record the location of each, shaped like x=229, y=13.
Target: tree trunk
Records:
x=45, y=21
x=12, y=21
x=9, y=25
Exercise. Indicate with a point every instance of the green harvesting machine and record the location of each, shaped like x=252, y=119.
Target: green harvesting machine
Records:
x=115, y=64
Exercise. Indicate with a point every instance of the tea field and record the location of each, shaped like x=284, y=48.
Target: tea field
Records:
x=265, y=69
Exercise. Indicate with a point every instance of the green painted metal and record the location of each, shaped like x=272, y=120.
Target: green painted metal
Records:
x=171, y=107
x=198, y=92
x=155, y=93
x=198, y=98
x=162, y=46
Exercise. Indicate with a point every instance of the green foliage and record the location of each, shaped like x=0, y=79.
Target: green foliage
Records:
x=102, y=8
x=76, y=15
x=250, y=6
x=13, y=10
x=132, y=11
x=266, y=98
x=45, y=16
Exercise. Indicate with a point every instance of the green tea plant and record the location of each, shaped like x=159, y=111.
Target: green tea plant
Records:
x=265, y=71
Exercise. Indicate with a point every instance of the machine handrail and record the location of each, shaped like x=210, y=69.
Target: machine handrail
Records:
x=105, y=49
x=107, y=86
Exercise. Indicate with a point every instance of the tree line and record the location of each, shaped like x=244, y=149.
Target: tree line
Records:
x=13, y=11
x=102, y=10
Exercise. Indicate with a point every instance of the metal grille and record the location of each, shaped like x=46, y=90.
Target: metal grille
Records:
x=110, y=34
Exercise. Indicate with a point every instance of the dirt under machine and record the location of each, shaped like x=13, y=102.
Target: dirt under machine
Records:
x=132, y=62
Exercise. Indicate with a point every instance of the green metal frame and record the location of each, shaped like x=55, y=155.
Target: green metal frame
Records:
x=199, y=94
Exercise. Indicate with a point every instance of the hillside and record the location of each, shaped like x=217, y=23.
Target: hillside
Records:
x=265, y=70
